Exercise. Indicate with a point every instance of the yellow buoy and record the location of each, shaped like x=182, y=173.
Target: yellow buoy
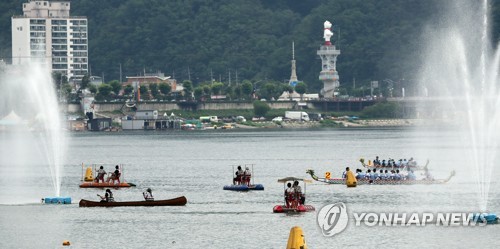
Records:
x=296, y=239
x=88, y=175
x=66, y=243
x=350, y=180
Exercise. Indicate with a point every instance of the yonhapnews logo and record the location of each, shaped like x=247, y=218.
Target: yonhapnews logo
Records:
x=333, y=218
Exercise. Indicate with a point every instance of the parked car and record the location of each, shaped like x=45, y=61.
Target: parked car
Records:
x=278, y=119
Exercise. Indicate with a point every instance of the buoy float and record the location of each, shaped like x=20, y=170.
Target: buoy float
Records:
x=89, y=177
x=296, y=239
x=66, y=243
x=350, y=180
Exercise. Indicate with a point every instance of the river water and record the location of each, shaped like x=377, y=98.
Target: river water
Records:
x=198, y=164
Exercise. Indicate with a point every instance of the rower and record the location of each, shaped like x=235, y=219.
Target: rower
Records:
x=148, y=195
x=108, y=196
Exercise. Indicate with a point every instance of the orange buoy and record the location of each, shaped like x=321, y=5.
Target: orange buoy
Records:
x=66, y=243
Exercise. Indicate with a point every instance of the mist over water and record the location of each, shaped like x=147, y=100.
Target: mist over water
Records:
x=462, y=70
x=32, y=140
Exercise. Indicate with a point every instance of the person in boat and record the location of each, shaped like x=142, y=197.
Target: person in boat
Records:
x=300, y=198
x=239, y=175
x=247, y=174
x=148, y=195
x=412, y=163
x=108, y=196
x=397, y=175
x=289, y=195
x=411, y=176
x=344, y=175
x=100, y=174
x=381, y=175
x=115, y=176
x=383, y=163
x=360, y=174
x=376, y=162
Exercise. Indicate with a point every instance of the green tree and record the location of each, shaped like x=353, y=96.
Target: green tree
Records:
x=247, y=89
x=301, y=88
x=217, y=87
x=105, y=90
x=260, y=108
x=154, y=90
x=198, y=93
x=165, y=88
x=289, y=89
x=116, y=85
x=144, y=90
x=92, y=88
x=188, y=88
x=207, y=90
x=85, y=82
x=128, y=89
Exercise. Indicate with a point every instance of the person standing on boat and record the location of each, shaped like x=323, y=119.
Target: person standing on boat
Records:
x=289, y=195
x=148, y=195
x=344, y=175
x=376, y=162
x=246, y=176
x=239, y=176
x=108, y=196
x=100, y=174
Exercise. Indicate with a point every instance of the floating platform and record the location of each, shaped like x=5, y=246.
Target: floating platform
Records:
x=57, y=200
x=106, y=185
x=244, y=187
x=299, y=209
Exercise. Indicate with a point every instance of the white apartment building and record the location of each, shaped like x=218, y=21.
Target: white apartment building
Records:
x=46, y=33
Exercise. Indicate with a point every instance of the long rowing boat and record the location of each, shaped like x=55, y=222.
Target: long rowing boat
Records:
x=381, y=182
x=179, y=201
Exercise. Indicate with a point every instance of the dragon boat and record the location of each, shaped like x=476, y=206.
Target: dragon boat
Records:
x=341, y=181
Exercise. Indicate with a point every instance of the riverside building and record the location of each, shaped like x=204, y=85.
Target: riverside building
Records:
x=47, y=34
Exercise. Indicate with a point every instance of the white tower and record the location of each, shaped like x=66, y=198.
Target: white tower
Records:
x=328, y=55
x=293, y=78
x=47, y=34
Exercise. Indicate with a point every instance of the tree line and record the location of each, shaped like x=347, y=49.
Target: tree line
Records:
x=205, y=41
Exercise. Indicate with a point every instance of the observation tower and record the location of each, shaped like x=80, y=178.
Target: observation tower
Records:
x=328, y=54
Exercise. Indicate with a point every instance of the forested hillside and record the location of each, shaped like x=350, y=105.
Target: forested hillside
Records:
x=250, y=38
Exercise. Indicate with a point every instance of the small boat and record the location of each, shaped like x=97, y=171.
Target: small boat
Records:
x=381, y=182
x=244, y=187
x=89, y=180
x=179, y=201
x=243, y=182
x=106, y=185
x=299, y=208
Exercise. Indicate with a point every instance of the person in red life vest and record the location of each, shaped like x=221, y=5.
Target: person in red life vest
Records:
x=239, y=175
x=115, y=176
x=246, y=176
x=289, y=195
x=100, y=174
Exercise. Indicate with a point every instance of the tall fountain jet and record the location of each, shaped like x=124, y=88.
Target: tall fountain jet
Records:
x=462, y=71
x=32, y=140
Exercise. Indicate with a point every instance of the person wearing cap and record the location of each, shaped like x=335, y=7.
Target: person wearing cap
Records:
x=148, y=195
x=246, y=176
